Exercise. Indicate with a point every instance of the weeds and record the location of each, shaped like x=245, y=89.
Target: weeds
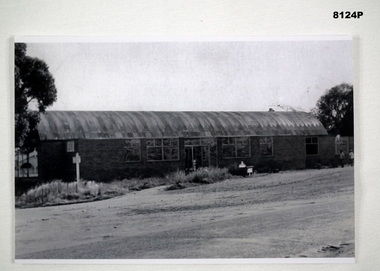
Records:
x=201, y=176
x=58, y=192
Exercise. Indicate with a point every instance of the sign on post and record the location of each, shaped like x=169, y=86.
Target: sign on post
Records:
x=76, y=160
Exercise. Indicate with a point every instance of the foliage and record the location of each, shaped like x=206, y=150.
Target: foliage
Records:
x=200, y=176
x=58, y=192
x=137, y=184
x=335, y=110
x=34, y=84
x=268, y=166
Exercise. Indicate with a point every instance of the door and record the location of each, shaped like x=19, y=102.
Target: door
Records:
x=188, y=158
x=196, y=157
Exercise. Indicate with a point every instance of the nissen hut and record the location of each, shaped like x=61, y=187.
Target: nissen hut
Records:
x=116, y=145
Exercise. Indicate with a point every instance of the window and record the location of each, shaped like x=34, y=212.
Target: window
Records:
x=311, y=144
x=203, y=150
x=236, y=147
x=166, y=149
x=200, y=142
x=266, y=146
x=70, y=147
x=26, y=164
x=132, y=150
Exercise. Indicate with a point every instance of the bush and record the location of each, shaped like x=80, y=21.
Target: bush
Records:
x=176, y=177
x=59, y=192
x=137, y=184
x=269, y=166
x=233, y=169
x=200, y=176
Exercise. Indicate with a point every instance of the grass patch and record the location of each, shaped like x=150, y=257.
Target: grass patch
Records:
x=180, y=180
x=58, y=192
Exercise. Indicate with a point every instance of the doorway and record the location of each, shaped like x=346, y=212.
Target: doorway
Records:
x=197, y=157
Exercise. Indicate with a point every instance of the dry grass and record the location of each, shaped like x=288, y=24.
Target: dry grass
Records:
x=180, y=180
x=58, y=192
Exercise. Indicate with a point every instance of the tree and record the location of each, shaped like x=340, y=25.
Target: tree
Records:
x=335, y=110
x=34, y=85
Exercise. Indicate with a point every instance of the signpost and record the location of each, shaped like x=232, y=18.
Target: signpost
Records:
x=250, y=170
x=76, y=160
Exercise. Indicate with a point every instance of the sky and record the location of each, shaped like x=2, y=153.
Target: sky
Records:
x=195, y=75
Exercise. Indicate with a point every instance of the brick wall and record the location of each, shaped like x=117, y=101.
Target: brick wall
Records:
x=288, y=153
x=327, y=150
x=54, y=162
x=103, y=160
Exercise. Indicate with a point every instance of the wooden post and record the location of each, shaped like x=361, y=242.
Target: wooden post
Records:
x=76, y=160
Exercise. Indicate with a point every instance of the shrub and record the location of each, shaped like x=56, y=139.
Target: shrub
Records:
x=176, y=177
x=137, y=184
x=233, y=169
x=269, y=166
x=200, y=176
x=89, y=188
x=59, y=192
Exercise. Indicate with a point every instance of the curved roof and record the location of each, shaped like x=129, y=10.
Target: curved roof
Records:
x=61, y=125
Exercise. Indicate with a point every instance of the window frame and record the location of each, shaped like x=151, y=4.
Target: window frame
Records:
x=262, y=144
x=70, y=146
x=162, y=146
x=126, y=148
x=309, y=144
x=236, y=147
x=207, y=145
x=20, y=156
x=201, y=141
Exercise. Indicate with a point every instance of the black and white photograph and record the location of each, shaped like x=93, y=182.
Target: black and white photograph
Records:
x=184, y=148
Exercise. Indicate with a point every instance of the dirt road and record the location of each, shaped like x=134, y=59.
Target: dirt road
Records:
x=307, y=213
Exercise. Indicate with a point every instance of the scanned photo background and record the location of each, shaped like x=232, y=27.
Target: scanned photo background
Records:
x=173, y=19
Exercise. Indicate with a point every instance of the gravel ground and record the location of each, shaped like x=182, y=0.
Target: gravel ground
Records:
x=308, y=213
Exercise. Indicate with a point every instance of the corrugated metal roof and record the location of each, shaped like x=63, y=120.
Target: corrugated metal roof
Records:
x=59, y=125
